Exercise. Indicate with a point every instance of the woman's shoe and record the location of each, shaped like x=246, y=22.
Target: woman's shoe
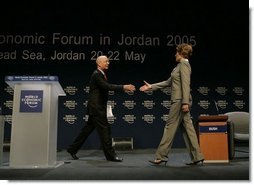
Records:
x=196, y=162
x=158, y=161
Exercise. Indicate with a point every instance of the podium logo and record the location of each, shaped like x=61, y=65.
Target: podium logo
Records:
x=31, y=101
x=53, y=78
x=10, y=78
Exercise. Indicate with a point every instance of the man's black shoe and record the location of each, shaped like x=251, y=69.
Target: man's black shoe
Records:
x=73, y=156
x=116, y=159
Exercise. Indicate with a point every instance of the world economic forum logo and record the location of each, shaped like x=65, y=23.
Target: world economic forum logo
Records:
x=129, y=104
x=31, y=100
x=10, y=78
x=129, y=118
x=70, y=118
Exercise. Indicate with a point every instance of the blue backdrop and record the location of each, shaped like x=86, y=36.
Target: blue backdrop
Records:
x=64, y=39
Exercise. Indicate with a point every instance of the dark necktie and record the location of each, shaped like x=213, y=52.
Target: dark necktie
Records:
x=105, y=76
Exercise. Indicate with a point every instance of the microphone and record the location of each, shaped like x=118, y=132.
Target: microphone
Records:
x=216, y=105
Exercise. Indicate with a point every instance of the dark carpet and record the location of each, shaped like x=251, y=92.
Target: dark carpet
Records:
x=135, y=166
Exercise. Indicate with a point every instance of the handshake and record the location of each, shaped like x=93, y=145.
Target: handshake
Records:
x=132, y=88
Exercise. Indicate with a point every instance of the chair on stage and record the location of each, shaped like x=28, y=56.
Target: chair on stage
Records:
x=238, y=130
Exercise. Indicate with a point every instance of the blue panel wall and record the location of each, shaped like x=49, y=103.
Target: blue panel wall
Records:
x=30, y=35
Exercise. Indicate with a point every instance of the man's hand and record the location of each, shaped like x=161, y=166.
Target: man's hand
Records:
x=129, y=87
x=145, y=87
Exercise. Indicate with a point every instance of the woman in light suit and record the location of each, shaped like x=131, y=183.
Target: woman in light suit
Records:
x=179, y=113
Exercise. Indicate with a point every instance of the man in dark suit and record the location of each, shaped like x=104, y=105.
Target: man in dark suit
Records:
x=97, y=111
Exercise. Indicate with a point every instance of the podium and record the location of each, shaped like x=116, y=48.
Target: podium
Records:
x=34, y=121
x=213, y=138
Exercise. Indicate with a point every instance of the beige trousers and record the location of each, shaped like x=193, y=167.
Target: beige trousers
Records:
x=177, y=117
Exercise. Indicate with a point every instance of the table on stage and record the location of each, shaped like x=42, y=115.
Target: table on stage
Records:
x=213, y=138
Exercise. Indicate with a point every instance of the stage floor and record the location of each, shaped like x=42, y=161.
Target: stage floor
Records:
x=135, y=166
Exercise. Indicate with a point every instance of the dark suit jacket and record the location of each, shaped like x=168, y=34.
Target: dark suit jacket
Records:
x=98, y=96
